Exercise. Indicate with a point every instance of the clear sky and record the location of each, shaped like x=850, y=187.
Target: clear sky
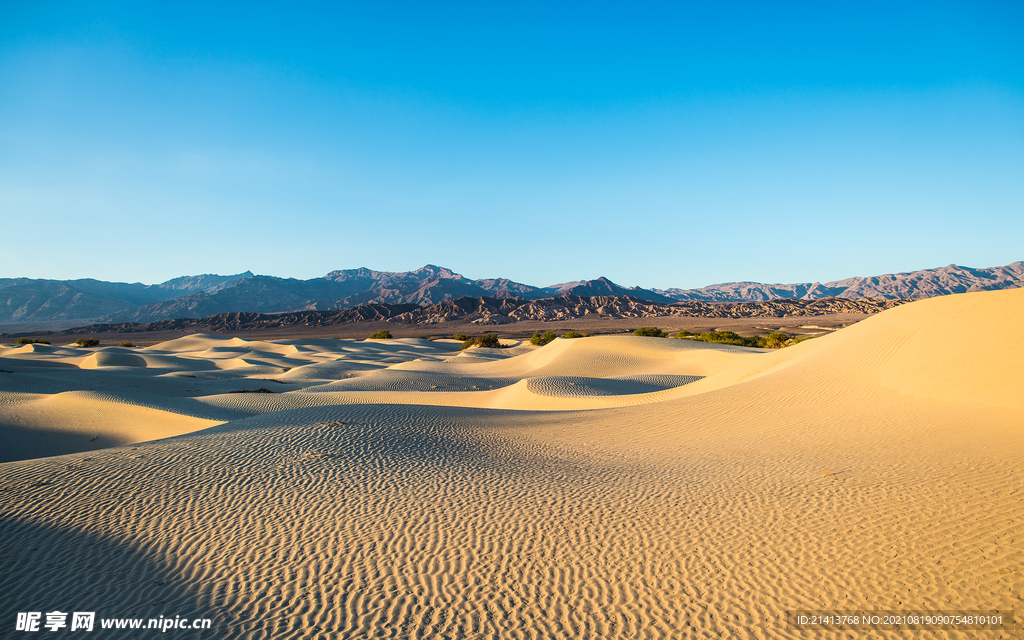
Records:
x=675, y=144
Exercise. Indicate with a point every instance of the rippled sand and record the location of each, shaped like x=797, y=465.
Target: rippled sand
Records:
x=599, y=487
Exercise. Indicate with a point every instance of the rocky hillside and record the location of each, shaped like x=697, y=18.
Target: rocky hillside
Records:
x=488, y=311
x=605, y=287
x=926, y=283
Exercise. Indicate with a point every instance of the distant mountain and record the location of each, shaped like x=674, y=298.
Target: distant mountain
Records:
x=342, y=289
x=424, y=286
x=926, y=283
x=264, y=294
x=208, y=282
x=27, y=300
x=39, y=300
x=499, y=311
x=505, y=288
x=605, y=287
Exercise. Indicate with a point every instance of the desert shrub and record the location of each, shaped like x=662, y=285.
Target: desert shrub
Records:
x=32, y=341
x=802, y=338
x=542, y=338
x=650, y=332
x=574, y=334
x=383, y=334
x=460, y=336
x=774, y=340
x=260, y=390
x=488, y=340
x=728, y=337
x=684, y=334
x=87, y=342
x=125, y=344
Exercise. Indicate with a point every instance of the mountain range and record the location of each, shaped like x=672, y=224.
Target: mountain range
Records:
x=87, y=300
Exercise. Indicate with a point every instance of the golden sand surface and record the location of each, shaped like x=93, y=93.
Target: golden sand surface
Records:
x=604, y=487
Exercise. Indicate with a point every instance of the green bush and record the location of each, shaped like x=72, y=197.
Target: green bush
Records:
x=488, y=340
x=650, y=332
x=542, y=338
x=126, y=344
x=87, y=342
x=461, y=336
x=32, y=341
x=774, y=340
x=729, y=337
x=383, y=334
x=574, y=334
x=684, y=334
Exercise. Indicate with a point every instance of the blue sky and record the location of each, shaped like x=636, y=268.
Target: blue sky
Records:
x=657, y=144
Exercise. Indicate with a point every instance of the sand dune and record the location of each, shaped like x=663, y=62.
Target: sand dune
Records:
x=599, y=487
x=82, y=421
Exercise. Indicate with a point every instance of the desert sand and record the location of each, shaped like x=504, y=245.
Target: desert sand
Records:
x=599, y=487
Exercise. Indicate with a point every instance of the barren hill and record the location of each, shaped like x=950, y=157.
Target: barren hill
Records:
x=499, y=311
